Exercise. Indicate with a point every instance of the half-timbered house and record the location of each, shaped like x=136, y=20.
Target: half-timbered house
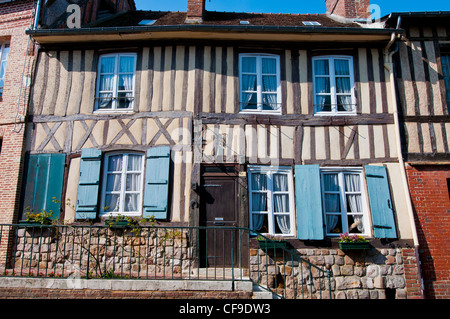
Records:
x=423, y=79
x=283, y=124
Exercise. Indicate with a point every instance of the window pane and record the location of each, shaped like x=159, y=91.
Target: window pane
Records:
x=341, y=67
x=270, y=102
x=323, y=103
x=113, y=183
x=332, y=203
x=334, y=224
x=131, y=202
x=355, y=224
x=344, y=103
x=280, y=182
x=259, y=182
x=111, y=203
x=282, y=224
x=134, y=162
x=133, y=182
x=115, y=163
x=322, y=85
x=106, y=82
x=354, y=204
x=281, y=203
x=259, y=202
x=126, y=64
x=249, y=64
x=126, y=82
x=260, y=223
x=269, y=83
x=248, y=82
x=331, y=182
x=321, y=67
x=249, y=101
x=352, y=182
x=343, y=85
x=105, y=101
x=269, y=66
x=125, y=100
x=107, y=64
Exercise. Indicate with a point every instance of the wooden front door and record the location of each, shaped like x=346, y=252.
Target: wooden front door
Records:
x=219, y=213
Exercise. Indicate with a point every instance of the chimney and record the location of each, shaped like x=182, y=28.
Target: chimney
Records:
x=195, y=11
x=349, y=9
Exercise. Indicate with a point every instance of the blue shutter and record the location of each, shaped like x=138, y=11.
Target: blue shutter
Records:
x=380, y=202
x=44, y=183
x=308, y=198
x=156, y=190
x=88, y=184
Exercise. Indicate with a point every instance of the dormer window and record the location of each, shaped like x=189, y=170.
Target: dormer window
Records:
x=311, y=23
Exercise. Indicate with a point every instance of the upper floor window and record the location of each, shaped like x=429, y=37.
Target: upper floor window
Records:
x=259, y=76
x=115, y=81
x=333, y=85
x=446, y=71
x=4, y=50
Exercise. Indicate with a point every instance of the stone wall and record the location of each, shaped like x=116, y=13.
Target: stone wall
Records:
x=387, y=273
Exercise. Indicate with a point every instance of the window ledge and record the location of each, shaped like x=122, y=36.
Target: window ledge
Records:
x=113, y=111
x=335, y=114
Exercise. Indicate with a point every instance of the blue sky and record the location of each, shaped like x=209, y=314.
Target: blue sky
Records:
x=291, y=6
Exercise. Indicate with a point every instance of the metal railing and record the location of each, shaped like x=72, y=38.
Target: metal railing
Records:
x=156, y=252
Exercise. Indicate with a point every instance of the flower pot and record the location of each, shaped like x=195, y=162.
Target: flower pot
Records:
x=117, y=224
x=272, y=244
x=355, y=246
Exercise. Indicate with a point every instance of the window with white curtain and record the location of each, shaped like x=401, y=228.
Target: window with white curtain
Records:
x=344, y=201
x=122, y=184
x=271, y=200
x=333, y=85
x=115, y=81
x=259, y=78
x=4, y=51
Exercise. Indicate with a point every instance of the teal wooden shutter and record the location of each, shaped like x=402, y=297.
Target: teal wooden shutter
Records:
x=44, y=183
x=308, y=198
x=156, y=190
x=380, y=202
x=88, y=184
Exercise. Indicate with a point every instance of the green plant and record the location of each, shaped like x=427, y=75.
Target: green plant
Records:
x=44, y=217
x=346, y=238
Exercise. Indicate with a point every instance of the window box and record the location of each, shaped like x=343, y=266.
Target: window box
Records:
x=355, y=246
x=272, y=244
x=30, y=223
x=111, y=223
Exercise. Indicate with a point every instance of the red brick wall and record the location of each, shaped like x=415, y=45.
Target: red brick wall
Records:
x=15, y=17
x=430, y=197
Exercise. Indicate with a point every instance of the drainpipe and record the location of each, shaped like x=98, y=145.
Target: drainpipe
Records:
x=389, y=66
x=38, y=12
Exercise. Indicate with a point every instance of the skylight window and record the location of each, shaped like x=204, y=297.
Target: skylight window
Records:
x=244, y=22
x=147, y=22
x=311, y=23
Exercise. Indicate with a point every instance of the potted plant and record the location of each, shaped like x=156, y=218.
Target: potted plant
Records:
x=267, y=243
x=118, y=221
x=39, y=219
x=354, y=241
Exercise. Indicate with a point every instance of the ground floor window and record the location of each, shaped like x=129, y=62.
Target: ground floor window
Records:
x=271, y=200
x=343, y=201
x=123, y=183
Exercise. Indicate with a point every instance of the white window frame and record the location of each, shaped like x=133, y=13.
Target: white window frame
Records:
x=259, y=92
x=122, y=191
x=343, y=204
x=271, y=170
x=114, y=105
x=333, y=91
x=3, y=60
